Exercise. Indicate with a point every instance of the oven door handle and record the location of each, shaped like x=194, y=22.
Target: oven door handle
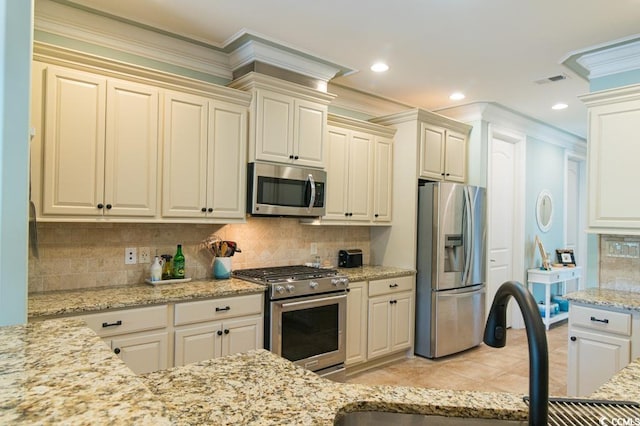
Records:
x=313, y=302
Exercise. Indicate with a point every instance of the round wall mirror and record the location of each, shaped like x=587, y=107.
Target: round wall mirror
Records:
x=544, y=210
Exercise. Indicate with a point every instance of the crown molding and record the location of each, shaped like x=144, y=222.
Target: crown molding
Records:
x=606, y=59
x=77, y=24
x=359, y=125
x=417, y=115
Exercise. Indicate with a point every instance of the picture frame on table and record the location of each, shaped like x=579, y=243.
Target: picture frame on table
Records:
x=546, y=262
x=566, y=257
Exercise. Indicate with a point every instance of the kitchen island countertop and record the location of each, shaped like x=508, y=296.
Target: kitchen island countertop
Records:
x=606, y=298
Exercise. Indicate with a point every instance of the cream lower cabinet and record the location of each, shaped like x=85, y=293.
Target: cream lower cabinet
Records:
x=204, y=167
x=218, y=327
x=98, y=143
x=357, y=323
x=600, y=344
x=138, y=336
x=390, y=316
x=612, y=166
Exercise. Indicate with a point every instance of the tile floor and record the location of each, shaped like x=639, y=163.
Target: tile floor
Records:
x=482, y=368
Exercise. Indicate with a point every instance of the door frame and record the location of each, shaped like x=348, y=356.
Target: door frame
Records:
x=518, y=252
x=581, y=249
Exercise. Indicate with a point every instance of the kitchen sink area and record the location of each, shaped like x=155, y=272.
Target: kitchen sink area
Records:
x=381, y=418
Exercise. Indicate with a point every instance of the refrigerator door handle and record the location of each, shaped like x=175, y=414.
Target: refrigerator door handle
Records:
x=468, y=238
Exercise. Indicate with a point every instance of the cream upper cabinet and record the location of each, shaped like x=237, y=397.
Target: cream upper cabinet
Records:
x=612, y=160
x=382, y=179
x=359, y=172
x=100, y=145
x=204, y=167
x=289, y=121
x=442, y=153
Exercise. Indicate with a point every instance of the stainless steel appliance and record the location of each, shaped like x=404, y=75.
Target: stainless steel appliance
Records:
x=305, y=315
x=278, y=190
x=450, y=286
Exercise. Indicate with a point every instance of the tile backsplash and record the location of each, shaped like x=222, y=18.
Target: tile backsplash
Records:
x=620, y=262
x=86, y=255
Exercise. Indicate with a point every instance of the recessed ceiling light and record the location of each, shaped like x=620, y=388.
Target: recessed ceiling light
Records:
x=379, y=67
x=457, y=96
x=559, y=106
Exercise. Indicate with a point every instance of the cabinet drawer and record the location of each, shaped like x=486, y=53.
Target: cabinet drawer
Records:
x=217, y=309
x=600, y=319
x=128, y=321
x=553, y=276
x=390, y=285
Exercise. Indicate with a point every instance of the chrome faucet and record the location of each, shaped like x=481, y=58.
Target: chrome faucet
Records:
x=495, y=335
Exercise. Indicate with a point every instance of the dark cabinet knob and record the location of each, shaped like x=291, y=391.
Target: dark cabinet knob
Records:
x=210, y=209
x=295, y=157
x=109, y=206
x=116, y=351
x=346, y=214
x=448, y=174
x=573, y=338
x=441, y=174
x=291, y=157
x=203, y=210
x=219, y=332
x=226, y=331
x=376, y=215
x=350, y=214
x=100, y=206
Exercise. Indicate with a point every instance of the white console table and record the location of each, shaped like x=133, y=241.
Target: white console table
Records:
x=548, y=278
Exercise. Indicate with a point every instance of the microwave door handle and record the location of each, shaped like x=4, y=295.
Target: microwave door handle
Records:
x=312, y=182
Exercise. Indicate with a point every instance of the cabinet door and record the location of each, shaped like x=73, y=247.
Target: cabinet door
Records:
x=197, y=343
x=360, y=177
x=613, y=167
x=74, y=142
x=274, y=127
x=379, y=331
x=309, y=126
x=455, y=163
x=401, y=321
x=227, y=163
x=142, y=353
x=593, y=359
x=383, y=179
x=184, y=180
x=241, y=335
x=356, y=323
x=337, y=173
x=131, y=156
x=432, y=145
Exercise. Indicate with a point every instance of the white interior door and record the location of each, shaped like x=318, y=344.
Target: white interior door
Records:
x=505, y=217
x=574, y=218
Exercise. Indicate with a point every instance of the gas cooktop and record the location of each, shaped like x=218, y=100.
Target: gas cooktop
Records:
x=278, y=274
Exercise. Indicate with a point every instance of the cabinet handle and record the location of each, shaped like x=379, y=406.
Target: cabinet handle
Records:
x=100, y=206
x=291, y=157
x=604, y=321
x=113, y=324
x=109, y=206
x=448, y=174
x=376, y=215
x=226, y=308
x=203, y=210
x=219, y=332
x=441, y=174
x=393, y=302
x=394, y=285
x=210, y=209
x=573, y=338
x=226, y=331
x=295, y=157
x=116, y=351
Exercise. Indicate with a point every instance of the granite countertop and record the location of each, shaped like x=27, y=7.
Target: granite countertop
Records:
x=259, y=387
x=607, y=298
x=60, y=372
x=370, y=272
x=74, y=302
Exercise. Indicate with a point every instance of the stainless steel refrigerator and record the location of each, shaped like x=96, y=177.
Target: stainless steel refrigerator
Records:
x=451, y=253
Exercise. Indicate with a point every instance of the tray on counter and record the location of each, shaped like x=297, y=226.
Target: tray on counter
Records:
x=171, y=281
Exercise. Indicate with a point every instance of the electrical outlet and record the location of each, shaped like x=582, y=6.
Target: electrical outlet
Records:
x=130, y=256
x=314, y=248
x=144, y=255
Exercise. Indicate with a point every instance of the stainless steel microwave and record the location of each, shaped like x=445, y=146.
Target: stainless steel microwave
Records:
x=279, y=190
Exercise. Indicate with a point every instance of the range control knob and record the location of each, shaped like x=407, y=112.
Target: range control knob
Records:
x=280, y=289
x=313, y=284
x=290, y=288
x=344, y=281
x=335, y=281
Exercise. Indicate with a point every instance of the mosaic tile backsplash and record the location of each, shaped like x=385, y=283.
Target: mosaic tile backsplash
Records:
x=620, y=262
x=88, y=255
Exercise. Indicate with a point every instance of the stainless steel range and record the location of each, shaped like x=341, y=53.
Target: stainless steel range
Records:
x=305, y=315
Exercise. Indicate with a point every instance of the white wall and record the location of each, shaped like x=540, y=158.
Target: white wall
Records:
x=15, y=66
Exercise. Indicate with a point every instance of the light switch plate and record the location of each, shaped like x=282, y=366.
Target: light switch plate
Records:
x=144, y=255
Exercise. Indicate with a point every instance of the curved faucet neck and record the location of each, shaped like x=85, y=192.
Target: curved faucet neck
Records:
x=495, y=335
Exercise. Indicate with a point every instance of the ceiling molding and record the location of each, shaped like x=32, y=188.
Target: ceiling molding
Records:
x=607, y=59
x=77, y=24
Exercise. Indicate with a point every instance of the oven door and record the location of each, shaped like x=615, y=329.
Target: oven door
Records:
x=310, y=331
